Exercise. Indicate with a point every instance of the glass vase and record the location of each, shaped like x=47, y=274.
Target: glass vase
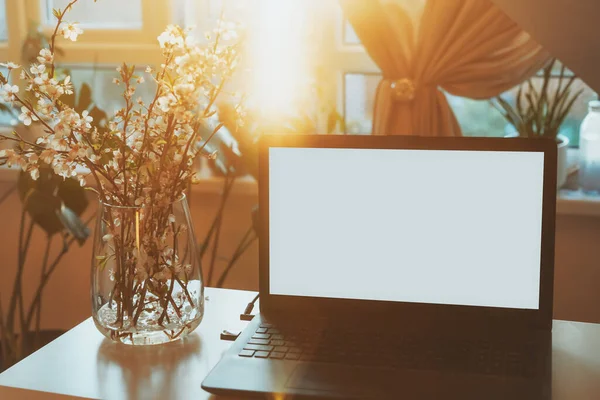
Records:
x=146, y=277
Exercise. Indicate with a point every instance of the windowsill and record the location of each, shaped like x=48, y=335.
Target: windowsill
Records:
x=244, y=186
x=569, y=202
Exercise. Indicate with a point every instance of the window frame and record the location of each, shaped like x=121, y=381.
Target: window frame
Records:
x=110, y=46
x=10, y=50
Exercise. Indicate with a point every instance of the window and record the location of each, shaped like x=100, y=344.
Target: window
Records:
x=3, y=26
x=313, y=43
x=350, y=36
x=480, y=118
x=359, y=99
x=102, y=15
x=476, y=117
x=114, y=31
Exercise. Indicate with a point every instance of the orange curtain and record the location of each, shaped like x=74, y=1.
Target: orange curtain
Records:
x=468, y=48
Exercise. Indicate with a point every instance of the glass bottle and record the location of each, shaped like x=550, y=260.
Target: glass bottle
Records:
x=589, y=150
x=146, y=278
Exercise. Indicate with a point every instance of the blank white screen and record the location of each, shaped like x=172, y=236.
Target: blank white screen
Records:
x=424, y=226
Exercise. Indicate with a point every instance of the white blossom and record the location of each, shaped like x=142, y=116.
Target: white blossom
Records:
x=45, y=56
x=27, y=116
x=71, y=31
x=8, y=92
x=10, y=65
x=37, y=69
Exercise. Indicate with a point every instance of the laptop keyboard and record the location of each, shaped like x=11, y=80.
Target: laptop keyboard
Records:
x=386, y=350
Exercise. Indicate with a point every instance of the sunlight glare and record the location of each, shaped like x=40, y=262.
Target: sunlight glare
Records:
x=280, y=66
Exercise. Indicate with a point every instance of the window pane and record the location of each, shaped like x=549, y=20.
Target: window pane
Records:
x=234, y=10
x=475, y=117
x=3, y=27
x=359, y=99
x=350, y=36
x=104, y=14
x=6, y=118
x=480, y=118
x=556, y=70
x=105, y=94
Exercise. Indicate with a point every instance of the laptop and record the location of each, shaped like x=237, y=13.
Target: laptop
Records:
x=400, y=267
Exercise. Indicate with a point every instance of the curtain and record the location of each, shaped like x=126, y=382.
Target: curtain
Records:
x=468, y=48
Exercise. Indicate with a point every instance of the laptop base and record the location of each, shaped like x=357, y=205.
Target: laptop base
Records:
x=265, y=377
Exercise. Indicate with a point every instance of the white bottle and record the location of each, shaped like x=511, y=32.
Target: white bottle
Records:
x=589, y=150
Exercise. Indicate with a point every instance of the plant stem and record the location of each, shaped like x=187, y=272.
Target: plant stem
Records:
x=39, y=302
x=8, y=193
x=23, y=258
x=17, y=284
x=53, y=38
x=51, y=268
x=224, y=197
x=241, y=249
x=6, y=340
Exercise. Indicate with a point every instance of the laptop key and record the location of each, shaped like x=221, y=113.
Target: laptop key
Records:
x=276, y=337
x=258, y=341
x=258, y=347
x=274, y=331
x=282, y=349
x=246, y=353
x=261, y=336
x=261, y=354
x=262, y=330
x=277, y=355
x=292, y=356
x=277, y=342
x=295, y=350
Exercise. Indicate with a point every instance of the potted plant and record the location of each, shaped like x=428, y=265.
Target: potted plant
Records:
x=540, y=110
x=51, y=204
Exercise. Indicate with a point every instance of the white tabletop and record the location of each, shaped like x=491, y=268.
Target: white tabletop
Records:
x=83, y=363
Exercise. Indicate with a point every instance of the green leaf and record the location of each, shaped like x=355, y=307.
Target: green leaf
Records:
x=73, y=224
x=85, y=98
x=42, y=208
x=102, y=261
x=54, y=203
x=69, y=99
x=332, y=119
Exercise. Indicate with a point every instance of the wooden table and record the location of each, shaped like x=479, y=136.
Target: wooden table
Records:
x=82, y=363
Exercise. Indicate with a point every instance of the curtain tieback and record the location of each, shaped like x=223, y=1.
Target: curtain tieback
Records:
x=404, y=89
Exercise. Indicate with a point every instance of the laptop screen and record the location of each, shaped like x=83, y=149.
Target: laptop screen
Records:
x=421, y=226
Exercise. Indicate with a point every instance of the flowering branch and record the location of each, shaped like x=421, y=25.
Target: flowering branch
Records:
x=141, y=162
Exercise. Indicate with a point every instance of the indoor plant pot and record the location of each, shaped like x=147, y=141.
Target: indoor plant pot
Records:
x=562, y=163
